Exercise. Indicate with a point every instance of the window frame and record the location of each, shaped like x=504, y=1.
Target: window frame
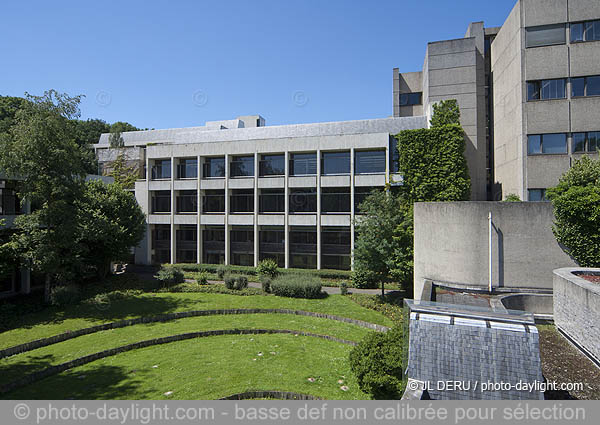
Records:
x=541, y=136
x=539, y=89
x=539, y=28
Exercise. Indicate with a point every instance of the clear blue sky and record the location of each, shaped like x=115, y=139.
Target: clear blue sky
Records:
x=162, y=64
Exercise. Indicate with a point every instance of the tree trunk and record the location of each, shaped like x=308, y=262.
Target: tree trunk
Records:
x=47, y=288
x=382, y=290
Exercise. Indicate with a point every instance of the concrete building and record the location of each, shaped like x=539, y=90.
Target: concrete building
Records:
x=528, y=93
x=238, y=191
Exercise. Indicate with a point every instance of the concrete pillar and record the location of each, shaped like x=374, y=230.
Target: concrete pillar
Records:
x=149, y=236
x=352, y=212
x=173, y=239
x=25, y=280
x=286, y=223
x=227, y=238
x=256, y=174
x=199, y=213
x=319, y=209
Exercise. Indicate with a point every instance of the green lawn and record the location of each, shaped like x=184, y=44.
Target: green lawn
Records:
x=53, y=321
x=209, y=368
x=202, y=368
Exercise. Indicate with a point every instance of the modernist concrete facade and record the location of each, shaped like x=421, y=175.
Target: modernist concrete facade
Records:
x=235, y=194
x=528, y=93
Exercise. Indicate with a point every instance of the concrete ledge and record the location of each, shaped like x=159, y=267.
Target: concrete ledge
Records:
x=278, y=395
x=54, y=370
x=22, y=348
x=577, y=309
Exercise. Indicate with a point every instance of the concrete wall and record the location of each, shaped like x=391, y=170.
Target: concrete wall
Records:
x=577, y=309
x=451, y=244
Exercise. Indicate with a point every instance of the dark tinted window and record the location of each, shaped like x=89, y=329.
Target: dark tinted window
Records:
x=187, y=201
x=545, y=35
x=161, y=201
x=187, y=168
x=407, y=99
x=161, y=169
x=366, y=162
x=302, y=164
x=536, y=195
x=335, y=199
x=592, y=31
x=578, y=142
x=336, y=163
x=213, y=201
x=394, y=155
x=242, y=166
x=303, y=200
x=242, y=201
x=271, y=200
x=533, y=90
x=576, y=32
x=214, y=167
x=554, y=143
x=534, y=144
x=272, y=165
x=592, y=86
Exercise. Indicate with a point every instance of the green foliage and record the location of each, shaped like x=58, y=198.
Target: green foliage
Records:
x=265, y=283
x=512, y=197
x=188, y=287
x=251, y=271
x=65, y=295
x=267, y=267
x=241, y=282
x=222, y=270
x=377, y=364
x=202, y=278
x=344, y=288
x=296, y=286
x=115, y=140
x=230, y=281
x=576, y=201
x=388, y=306
x=121, y=127
x=363, y=277
x=123, y=172
x=444, y=113
x=110, y=223
x=169, y=275
x=433, y=164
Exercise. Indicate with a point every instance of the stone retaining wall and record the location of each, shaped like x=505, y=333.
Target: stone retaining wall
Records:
x=577, y=309
x=53, y=370
x=32, y=345
x=278, y=395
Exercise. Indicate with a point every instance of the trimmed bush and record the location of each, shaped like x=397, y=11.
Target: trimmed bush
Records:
x=169, y=275
x=221, y=271
x=297, y=286
x=267, y=267
x=202, y=278
x=241, y=282
x=377, y=364
x=251, y=271
x=364, y=279
x=265, y=284
x=65, y=295
x=229, y=281
x=344, y=288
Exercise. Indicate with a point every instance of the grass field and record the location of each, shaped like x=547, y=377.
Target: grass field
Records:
x=202, y=368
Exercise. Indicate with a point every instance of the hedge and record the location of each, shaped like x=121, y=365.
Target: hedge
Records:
x=251, y=271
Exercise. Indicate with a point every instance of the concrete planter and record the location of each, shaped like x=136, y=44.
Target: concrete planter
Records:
x=577, y=309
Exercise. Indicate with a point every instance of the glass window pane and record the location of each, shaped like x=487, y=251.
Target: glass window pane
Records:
x=536, y=195
x=272, y=165
x=545, y=35
x=593, y=141
x=414, y=98
x=366, y=162
x=554, y=143
x=403, y=99
x=592, y=86
x=394, y=156
x=534, y=144
x=242, y=166
x=533, y=90
x=553, y=89
x=303, y=164
x=214, y=167
x=592, y=31
x=303, y=200
x=578, y=142
x=576, y=32
x=577, y=87
x=336, y=163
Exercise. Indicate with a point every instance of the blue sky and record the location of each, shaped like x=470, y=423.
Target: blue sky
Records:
x=162, y=64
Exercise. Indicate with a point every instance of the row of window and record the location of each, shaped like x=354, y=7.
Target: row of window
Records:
x=301, y=200
x=556, y=88
x=547, y=35
x=553, y=143
x=335, y=245
x=300, y=164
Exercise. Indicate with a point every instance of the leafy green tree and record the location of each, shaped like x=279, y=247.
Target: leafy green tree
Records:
x=41, y=150
x=9, y=106
x=121, y=127
x=444, y=113
x=110, y=223
x=576, y=201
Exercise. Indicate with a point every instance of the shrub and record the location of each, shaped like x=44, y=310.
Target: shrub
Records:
x=297, y=286
x=222, y=270
x=267, y=267
x=64, y=295
x=229, y=281
x=265, y=283
x=169, y=275
x=363, y=278
x=241, y=282
x=344, y=288
x=377, y=364
x=512, y=197
x=576, y=201
x=202, y=278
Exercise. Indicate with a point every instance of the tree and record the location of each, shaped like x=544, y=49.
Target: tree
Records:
x=444, y=113
x=110, y=223
x=121, y=127
x=41, y=151
x=576, y=201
